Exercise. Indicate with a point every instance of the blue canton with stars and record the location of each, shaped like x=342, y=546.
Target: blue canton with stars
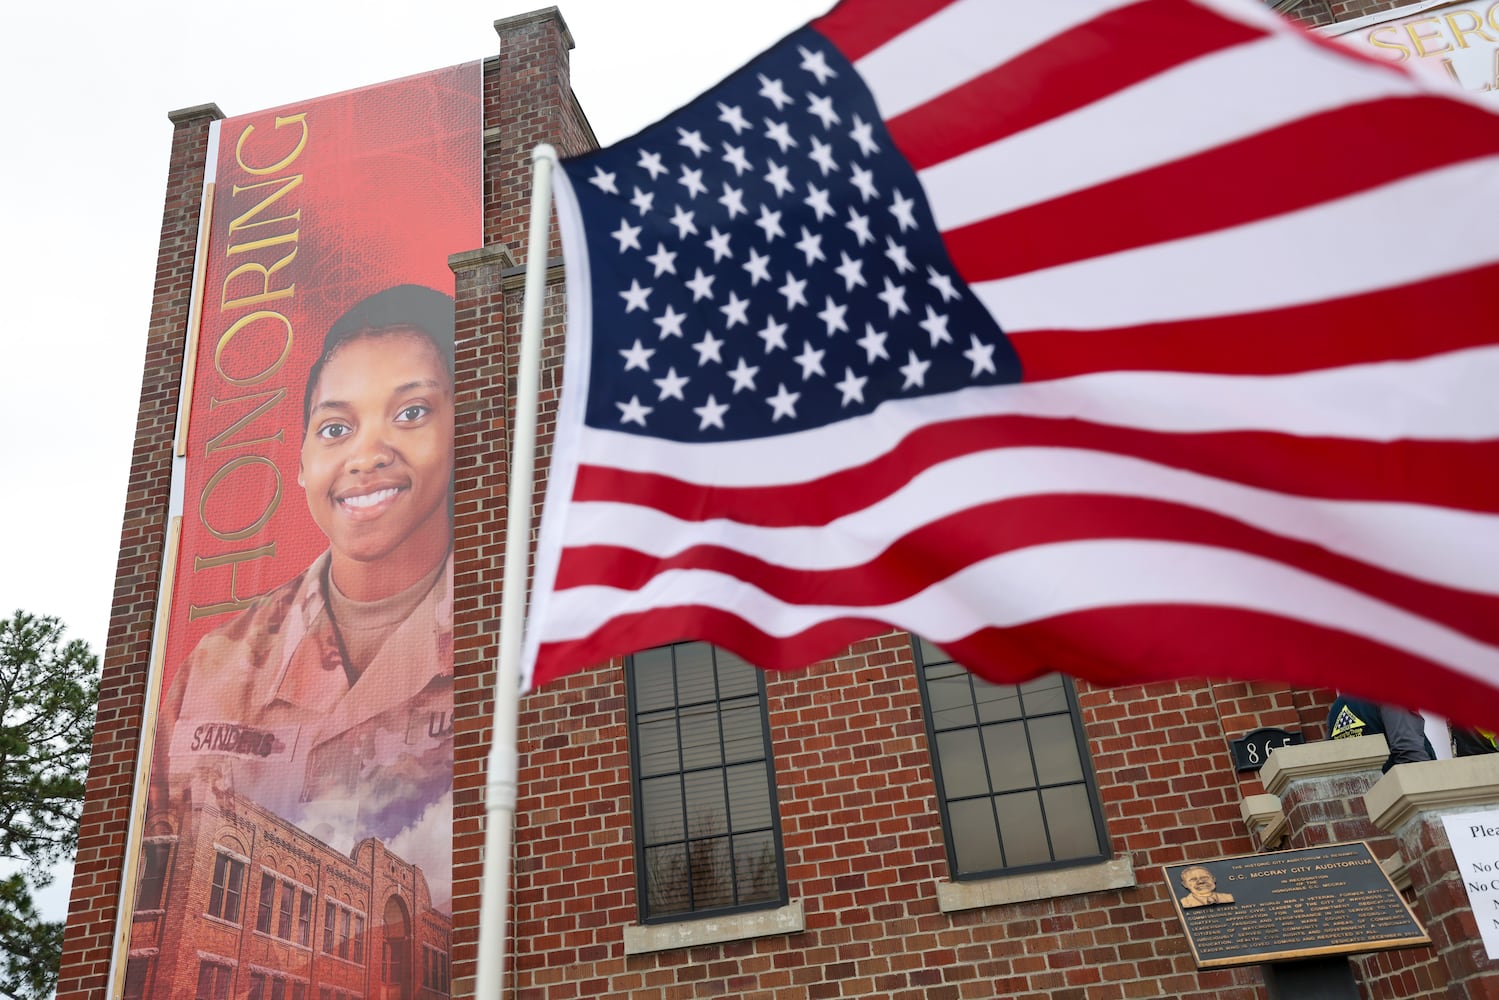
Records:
x=764, y=261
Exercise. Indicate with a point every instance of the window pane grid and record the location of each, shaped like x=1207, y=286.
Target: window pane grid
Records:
x=223, y=896
x=1010, y=768
x=706, y=825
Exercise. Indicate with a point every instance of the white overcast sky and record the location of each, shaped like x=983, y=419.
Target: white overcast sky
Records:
x=84, y=93
x=85, y=90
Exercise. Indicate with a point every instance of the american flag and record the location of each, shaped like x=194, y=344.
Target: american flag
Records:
x=1133, y=339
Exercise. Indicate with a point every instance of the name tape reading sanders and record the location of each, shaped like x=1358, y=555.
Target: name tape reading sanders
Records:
x=1305, y=903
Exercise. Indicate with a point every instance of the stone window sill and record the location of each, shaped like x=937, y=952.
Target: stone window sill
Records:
x=642, y=939
x=954, y=897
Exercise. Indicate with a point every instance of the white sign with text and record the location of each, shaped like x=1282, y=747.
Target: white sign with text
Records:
x=1475, y=844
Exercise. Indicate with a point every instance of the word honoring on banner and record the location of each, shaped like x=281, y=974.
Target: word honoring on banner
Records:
x=1457, y=41
x=1475, y=844
x=300, y=791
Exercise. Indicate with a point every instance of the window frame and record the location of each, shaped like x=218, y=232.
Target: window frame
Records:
x=330, y=926
x=227, y=888
x=305, y=917
x=151, y=890
x=393, y=960
x=217, y=977
x=434, y=970
x=1089, y=780
x=286, y=910
x=138, y=970
x=637, y=795
x=343, y=932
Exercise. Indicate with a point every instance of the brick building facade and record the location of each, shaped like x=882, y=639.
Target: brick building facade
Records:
x=242, y=902
x=810, y=834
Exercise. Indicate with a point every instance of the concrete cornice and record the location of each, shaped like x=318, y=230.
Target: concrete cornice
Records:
x=1264, y=818
x=514, y=279
x=198, y=111
x=1431, y=786
x=505, y=24
x=495, y=253
x=1323, y=759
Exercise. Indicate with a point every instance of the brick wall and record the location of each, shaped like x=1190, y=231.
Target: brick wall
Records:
x=1460, y=965
x=127, y=651
x=1316, y=13
x=864, y=850
x=1406, y=974
x=527, y=99
x=1344, y=10
x=1330, y=809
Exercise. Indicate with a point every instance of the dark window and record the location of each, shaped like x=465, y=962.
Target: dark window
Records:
x=213, y=980
x=288, y=896
x=298, y=991
x=304, y=920
x=707, y=831
x=358, y=955
x=393, y=968
x=267, y=899
x=136, y=971
x=434, y=970
x=278, y=989
x=1013, y=777
x=257, y=986
x=154, y=859
x=330, y=916
x=343, y=933
x=223, y=898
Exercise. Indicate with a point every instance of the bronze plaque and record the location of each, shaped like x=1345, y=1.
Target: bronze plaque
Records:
x=1287, y=905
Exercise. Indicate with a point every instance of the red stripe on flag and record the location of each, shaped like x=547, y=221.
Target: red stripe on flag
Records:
x=1231, y=185
x=660, y=626
x=1075, y=69
x=1109, y=646
x=949, y=545
x=1429, y=472
x=1395, y=324
x=858, y=29
x=1140, y=644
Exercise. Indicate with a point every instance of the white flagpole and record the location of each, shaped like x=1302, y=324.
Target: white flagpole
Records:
x=500, y=785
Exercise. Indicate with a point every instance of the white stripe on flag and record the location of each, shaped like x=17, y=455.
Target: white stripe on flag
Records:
x=1170, y=116
x=959, y=42
x=1431, y=398
x=1338, y=248
x=1439, y=545
x=1041, y=582
x=1441, y=397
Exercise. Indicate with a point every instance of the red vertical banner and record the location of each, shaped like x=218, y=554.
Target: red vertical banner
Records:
x=298, y=834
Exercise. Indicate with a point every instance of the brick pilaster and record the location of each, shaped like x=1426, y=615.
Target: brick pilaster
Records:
x=1409, y=802
x=127, y=653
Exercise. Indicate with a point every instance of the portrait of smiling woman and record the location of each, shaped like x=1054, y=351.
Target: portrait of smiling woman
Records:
x=377, y=452
x=329, y=700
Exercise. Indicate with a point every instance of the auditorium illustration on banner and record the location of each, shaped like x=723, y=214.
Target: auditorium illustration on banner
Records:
x=297, y=842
